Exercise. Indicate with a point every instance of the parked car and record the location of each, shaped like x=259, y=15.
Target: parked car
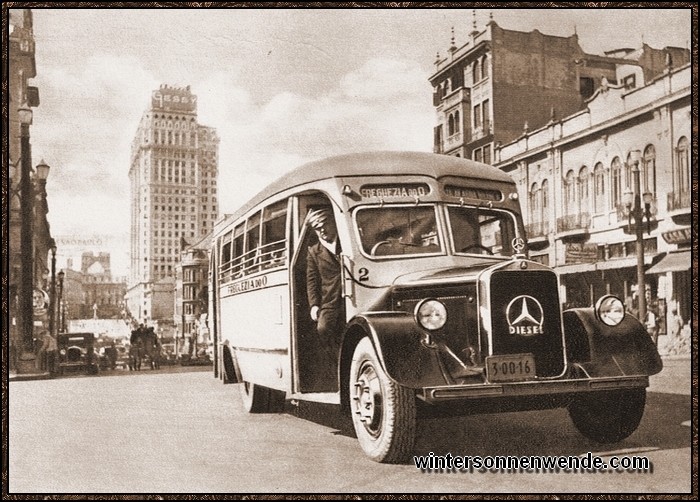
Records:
x=168, y=354
x=122, y=356
x=76, y=352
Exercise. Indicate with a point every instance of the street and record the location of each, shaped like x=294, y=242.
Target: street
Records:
x=184, y=432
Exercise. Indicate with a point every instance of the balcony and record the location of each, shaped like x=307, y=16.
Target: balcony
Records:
x=678, y=200
x=537, y=234
x=459, y=96
x=481, y=132
x=453, y=141
x=573, y=226
x=537, y=229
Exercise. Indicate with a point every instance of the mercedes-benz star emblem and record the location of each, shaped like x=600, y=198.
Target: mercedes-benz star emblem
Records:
x=518, y=244
x=525, y=316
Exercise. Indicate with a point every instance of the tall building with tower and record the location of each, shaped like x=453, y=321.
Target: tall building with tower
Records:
x=174, y=200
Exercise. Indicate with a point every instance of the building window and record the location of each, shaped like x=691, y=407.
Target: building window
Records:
x=476, y=72
x=628, y=173
x=629, y=82
x=586, y=87
x=583, y=190
x=487, y=154
x=487, y=115
x=545, y=201
x=485, y=67
x=649, y=169
x=476, y=155
x=477, y=117
x=599, y=188
x=450, y=125
x=457, y=122
x=569, y=193
x=681, y=175
x=534, y=203
x=615, y=183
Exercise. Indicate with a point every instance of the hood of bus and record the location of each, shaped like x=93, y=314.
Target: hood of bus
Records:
x=465, y=269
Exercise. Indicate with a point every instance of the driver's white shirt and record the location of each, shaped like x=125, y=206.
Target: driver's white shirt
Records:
x=330, y=246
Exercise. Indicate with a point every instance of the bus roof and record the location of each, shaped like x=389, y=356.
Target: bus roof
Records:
x=380, y=163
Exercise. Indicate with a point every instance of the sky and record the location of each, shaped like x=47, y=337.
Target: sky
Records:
x=281, y=87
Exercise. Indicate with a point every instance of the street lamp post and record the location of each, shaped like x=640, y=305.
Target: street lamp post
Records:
x=52, y=291
x=633, y=201
x=61, y=306
x=26, y=303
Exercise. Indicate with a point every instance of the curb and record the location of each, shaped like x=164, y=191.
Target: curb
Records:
x=675, y=357
x=29, y=376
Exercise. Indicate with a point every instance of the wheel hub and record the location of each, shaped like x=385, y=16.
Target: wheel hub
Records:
x=367, y=399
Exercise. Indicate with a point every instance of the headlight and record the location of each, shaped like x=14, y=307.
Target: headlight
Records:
x=431, y=314
x=610, y=310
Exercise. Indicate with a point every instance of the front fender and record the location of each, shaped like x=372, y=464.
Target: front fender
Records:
x=401, y=352
x=601, y=350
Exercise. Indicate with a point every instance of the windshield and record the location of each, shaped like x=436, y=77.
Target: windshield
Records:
x=477, y=230
x=398, y=230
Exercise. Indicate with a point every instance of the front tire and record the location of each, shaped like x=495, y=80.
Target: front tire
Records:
x=608, y=417
x=383, y=412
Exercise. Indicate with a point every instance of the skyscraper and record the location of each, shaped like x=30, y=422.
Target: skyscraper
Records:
x=173, y=177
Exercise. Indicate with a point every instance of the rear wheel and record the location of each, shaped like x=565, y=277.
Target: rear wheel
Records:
x=259, y=399
x=608, y=417
x=383, y=412
x=229, y=370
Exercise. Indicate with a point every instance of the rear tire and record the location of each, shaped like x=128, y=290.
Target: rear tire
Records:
x=259, y=399
x=608, y=417
x=229, y=370
x=383, y=412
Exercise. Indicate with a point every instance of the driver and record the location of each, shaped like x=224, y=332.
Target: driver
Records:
x=323, y=281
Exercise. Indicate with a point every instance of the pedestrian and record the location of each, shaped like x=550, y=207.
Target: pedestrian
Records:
x=675, y=325
x=47, y=352
x=323, y=282
x=629, y=305
x=652, y=325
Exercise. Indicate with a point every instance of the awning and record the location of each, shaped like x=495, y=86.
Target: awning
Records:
x=576, y=268
x=623, y=262
x=672, y=262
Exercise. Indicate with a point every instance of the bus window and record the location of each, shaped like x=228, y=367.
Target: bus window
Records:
x=251, y=257
x=238, y=250
x=481, y=231
x=272, y=249
x=226, y=264
x=389, y=231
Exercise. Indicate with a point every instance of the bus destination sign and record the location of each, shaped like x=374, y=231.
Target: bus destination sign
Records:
x=473, y=193
x=400, y=190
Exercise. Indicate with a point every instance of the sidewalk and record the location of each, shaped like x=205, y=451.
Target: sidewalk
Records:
x=38, y=375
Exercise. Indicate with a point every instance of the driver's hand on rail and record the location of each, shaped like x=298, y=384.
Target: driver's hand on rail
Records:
x=314, y=312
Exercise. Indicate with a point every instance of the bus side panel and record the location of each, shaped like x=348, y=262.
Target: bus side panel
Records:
x=265, y=368
x=255, y=322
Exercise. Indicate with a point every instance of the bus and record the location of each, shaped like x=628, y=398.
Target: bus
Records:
x=441, y=310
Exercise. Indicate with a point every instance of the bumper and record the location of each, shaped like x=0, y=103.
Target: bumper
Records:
x=532, y=388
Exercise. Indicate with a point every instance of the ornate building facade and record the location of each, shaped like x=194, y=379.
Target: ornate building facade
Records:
x=564, y=124
x=191, y=296
x=21, y=69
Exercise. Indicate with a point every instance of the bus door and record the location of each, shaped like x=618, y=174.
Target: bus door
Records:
x=313, y=373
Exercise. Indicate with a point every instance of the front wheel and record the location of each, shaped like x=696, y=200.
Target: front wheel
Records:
x=608, y=417
x=383, y=412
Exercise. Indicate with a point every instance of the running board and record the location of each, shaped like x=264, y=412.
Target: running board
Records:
x=316, y=397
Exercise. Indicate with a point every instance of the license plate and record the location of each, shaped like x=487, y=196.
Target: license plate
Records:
x=510, y=368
